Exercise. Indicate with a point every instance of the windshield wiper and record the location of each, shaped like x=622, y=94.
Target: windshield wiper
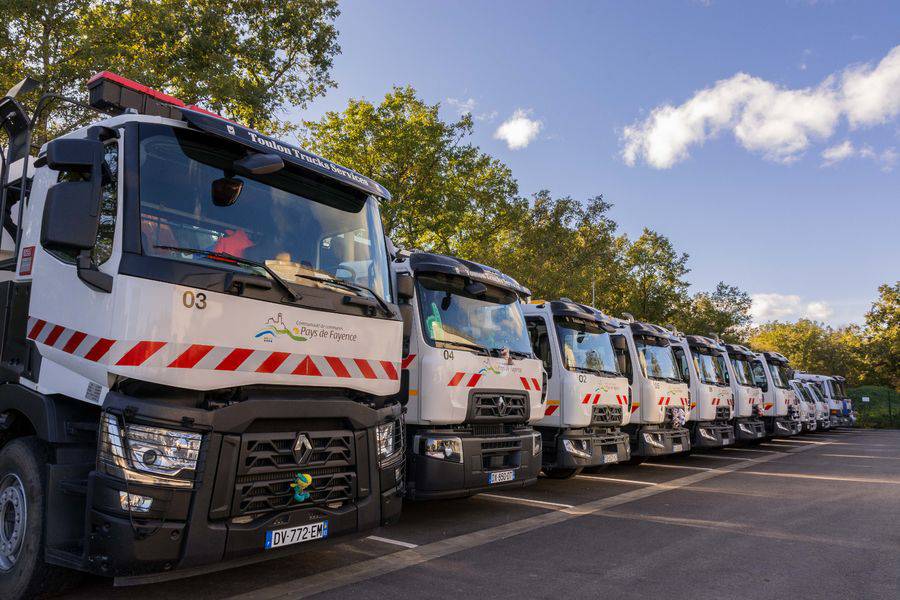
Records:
x=353, y=287
x=463, y=345
x=516, y=353
x=237, y=259
x=578, y=369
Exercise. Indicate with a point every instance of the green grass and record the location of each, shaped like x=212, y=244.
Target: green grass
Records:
x=877, y=411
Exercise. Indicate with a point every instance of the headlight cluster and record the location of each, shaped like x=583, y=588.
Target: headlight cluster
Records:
x=150, y=455
x=389, y=440
x=537, y=443
x=443, y=448
x=579, y=448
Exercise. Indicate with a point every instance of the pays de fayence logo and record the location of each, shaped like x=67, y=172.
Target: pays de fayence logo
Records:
x=275, y=327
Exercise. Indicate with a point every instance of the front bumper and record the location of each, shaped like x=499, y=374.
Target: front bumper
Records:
x=434, y=478
x=655, y=440
x=711, y=434
x=241, y=490
x=782, y=426
x=748, y=429
x=604, y=447
x=823, y=424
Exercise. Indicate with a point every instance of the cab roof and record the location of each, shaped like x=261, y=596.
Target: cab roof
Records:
x=429, y=262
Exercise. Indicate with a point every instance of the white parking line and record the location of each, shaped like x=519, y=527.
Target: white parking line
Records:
x=750, y=450
x=686, y=467
x=615, y=479
x=526, y=501
x=824, y=477
x=719, y=457
x=390, y=541
x=862, y=456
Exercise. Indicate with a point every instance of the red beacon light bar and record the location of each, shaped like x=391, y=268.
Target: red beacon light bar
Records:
x=115, y=94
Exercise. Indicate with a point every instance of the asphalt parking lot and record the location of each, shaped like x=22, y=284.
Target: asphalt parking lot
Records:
x=807, y=517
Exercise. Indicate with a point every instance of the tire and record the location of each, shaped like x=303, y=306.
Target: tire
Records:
x=23, y=572
x=635, y=460
x=558, y=473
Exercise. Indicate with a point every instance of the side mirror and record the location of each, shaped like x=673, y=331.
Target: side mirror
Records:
x=72, y=208
x=259, y=163
x=405, y=286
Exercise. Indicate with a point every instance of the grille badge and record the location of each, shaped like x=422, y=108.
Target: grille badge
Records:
x=302, y=448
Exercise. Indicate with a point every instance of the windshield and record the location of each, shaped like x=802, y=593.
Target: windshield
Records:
x=838, y=389
x=657, y=362
x=709, y=368
x=492, y=321
x=301, y=229
x=803, y=393
x=742, y=371
x=585, y=346
x=780, y=375
x=814, y=392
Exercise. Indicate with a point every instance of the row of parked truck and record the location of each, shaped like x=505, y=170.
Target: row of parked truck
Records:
x=212, y=354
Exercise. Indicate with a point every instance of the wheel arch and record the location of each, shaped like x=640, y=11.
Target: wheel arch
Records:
x=52, y=419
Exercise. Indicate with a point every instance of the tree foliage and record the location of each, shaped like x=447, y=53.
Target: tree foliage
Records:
x=250, y=60
x=653, y=287
x=882, y=344
x=725, y=311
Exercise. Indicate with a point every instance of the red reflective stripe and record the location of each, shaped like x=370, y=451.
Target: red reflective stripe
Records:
x=337, y=365
x=54, y=334
x=586, y=399
x=669, y=399
x=407, y=361
x=139, y=353
x=661, y=400
x=525, y=383
x=634, y=408
x=550, y=410
x=537, y=386
x=307, y=367
x=190, y=357
x=36, y=330
x=596, y=398
x=234, y=359
x=366, y=368
x=99, y=349
x=272, y=362
x=473, y=380
x=456, y=379
x=74, y=342
x=389, y=368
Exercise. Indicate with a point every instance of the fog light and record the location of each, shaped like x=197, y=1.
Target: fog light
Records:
x=449, y=448
x=654, y=439
x=134, y=502
x=707, y=434
x=579, y=448
x=744, y=428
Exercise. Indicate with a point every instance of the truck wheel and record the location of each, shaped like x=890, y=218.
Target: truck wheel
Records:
x=636, y=460
x=560, y=473
x=23, y=572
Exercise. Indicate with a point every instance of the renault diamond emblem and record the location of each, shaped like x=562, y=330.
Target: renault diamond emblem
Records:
x=302, y=448
x=501, y=405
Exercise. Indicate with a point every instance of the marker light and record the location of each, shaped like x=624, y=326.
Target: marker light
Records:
x=115, y=94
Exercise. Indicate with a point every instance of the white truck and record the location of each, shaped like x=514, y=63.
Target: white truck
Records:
x=660, y=399
x=702, y=361
x=200, y=359
x=808, y=412
x=748, y=397
x=831, y=388
x=587, y=396
x=471, y=381
x=781, y=409
x=823, y=412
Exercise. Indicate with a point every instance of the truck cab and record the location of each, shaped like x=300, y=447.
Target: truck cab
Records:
x=660, y=399
x=587, y=396
x=748, y=397
x=200, y=352
x=781, y=410
x=703, y=363
x=839, y=385
x=808, y=409
x=823, y=411
x=471, y=381
x=831, y=389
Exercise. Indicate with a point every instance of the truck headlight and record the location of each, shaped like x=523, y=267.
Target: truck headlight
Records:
x=579, y=448
x=389, y=440
x=144, y=454
x=537, y=444
x=443, y=448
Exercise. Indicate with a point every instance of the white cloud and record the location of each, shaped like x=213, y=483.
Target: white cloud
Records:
x=519, y=130
x=886, y=159
x=777, y=122
x=787, y=307
x=463, y=107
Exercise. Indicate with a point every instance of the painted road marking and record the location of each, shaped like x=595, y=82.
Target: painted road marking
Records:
x=385, y=540
x=324, y=581
x=824, y=477
x=685, y=467
x=719, y=457
x=615, y=479
x=862, y=456
x=526, y=501
x=750, y=450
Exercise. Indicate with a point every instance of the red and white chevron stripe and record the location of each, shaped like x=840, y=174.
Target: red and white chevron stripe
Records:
x=147, y=353
x=471, y=380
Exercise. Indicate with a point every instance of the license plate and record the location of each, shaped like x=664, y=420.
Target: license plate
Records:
x=501, y=476
x=296, y=535
x=677, y=447
x=610, y=458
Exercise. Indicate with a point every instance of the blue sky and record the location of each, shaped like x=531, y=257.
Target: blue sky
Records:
x=784, y=181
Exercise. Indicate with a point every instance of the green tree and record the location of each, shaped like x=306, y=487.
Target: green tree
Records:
x=448, y=196
x=882, y=346
x=653, y=287
x=250, y=60
x=724, y=311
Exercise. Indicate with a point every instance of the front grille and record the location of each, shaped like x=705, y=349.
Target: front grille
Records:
x=501, y=454
x=498, y=407
x=606, y=415
x=723, y=413
x=485, y=429
x=270, y=462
